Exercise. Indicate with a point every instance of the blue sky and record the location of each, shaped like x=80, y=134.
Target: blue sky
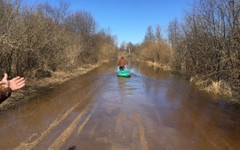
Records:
x=129, y=19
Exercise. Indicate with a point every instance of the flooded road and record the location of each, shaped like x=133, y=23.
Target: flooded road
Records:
x=151, y=110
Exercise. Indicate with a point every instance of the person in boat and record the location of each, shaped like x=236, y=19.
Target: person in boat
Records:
x=121, y=63
x=9, y=86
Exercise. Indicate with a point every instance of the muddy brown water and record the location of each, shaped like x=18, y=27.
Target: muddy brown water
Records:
x=151, y=110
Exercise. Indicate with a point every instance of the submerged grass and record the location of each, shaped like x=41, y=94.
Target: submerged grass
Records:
x=217, y=88
x=162, y=66
x=214, y=87
x=158, y=65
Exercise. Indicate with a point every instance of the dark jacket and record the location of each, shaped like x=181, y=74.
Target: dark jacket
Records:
x=5, y=92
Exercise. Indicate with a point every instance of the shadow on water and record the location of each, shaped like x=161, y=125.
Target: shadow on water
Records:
x=72, y=148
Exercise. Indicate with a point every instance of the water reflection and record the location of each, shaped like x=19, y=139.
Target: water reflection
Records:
x=152, y=109
x=192, y=113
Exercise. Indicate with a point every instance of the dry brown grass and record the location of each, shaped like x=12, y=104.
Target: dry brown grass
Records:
x=209, y=47
x=158, y=54
x=214, y=87
x=37, y=87
x=124, y=54
x=158, y=65
x=37, y=44
x=59, y=77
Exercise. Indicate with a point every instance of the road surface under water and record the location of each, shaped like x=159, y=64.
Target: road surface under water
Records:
x=151, y=110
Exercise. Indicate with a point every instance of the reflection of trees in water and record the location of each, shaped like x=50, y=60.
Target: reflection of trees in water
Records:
x=183, y=107
x=195, y=113
x=151, y=71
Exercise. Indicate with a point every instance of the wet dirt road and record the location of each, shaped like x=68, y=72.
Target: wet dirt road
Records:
x=152, y=110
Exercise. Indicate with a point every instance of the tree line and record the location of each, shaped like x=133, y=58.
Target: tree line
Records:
x=205, y=45
x=35, y=41
x=207, y=42
x=155, y=48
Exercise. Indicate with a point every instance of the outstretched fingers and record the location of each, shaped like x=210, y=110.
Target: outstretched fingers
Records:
x=19, y=80
x=15, y=79
x=17, y=83
x=20, y=83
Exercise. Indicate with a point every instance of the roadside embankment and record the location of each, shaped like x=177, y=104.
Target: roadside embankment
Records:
x=217, y=88
x=35, y=87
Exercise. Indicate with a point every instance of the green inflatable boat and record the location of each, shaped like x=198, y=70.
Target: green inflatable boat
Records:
x=123, y=73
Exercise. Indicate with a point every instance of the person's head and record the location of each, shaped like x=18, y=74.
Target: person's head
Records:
x=122, y=57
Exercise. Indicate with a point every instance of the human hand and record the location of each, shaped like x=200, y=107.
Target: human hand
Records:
x=17, y=83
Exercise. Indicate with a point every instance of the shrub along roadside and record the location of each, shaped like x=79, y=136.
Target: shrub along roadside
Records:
x=204, y=47
x=36, y=87
x=38, y=42
x=154, y=50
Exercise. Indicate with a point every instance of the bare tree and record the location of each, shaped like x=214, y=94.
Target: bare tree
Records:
x=149, y=36
x=209, y=41
x=43, y=39
x=158, y=34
